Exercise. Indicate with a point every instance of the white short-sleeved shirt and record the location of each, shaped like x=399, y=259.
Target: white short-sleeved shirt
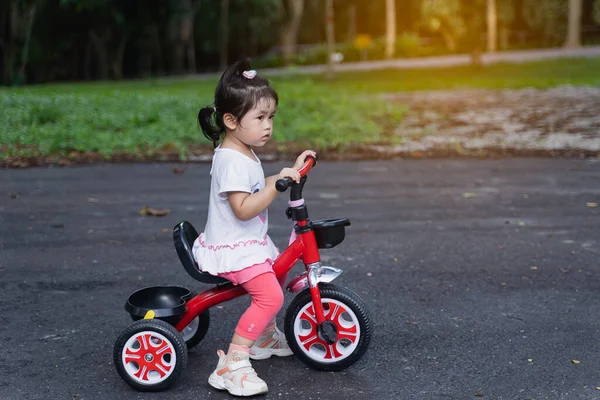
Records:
x=229, y=244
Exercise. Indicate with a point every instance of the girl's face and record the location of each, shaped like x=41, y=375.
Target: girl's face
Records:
x=256, y=127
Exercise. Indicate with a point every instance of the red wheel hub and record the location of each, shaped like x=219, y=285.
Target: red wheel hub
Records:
x=149, y=356
x=345, y=331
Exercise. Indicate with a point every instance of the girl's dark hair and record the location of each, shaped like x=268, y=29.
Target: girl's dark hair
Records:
x=235, y=94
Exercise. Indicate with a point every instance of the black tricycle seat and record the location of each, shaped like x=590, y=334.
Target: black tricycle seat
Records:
x=184, y=236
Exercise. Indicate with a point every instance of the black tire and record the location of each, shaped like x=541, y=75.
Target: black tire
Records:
x=196, y=330
x=331, y=296
x=158, y=340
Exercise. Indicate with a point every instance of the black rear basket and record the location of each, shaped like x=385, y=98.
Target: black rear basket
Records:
x=167, y=302
x=330, y=232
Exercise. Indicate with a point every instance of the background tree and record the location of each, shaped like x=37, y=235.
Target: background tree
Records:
x=390, y=28
x=329, y=18
x=16, y=26
x=292, y=15
x=574, y=30
x=121, y=39
x=224, y=33
x=443, y=17
x=547, y=20
x=492, y=24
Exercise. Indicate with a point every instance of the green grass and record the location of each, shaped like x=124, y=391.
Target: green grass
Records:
x=150, y=117
x=545, y=74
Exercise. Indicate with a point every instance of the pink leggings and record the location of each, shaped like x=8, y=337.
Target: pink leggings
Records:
x=267, y=300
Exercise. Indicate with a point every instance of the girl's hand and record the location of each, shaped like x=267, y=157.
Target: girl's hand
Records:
x=302, y=158
x=290, y=173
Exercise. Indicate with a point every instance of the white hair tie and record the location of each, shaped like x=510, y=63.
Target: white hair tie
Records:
x=249, y=74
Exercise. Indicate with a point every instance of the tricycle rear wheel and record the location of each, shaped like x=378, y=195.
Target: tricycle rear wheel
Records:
x=150, y=355
x=195, y=331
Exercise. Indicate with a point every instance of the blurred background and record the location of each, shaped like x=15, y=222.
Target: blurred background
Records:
x=75, y=40
x=114, y=80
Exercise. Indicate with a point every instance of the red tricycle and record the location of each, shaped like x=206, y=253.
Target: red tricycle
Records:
x=326, y=326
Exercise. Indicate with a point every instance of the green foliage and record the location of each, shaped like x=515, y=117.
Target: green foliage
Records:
x=549, y=17
x=596, y=11
x=498, y=76
x=145, y=118
x=313, y=114
x=407, y=45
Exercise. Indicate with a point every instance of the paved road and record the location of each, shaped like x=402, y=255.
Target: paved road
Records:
x=482, y=276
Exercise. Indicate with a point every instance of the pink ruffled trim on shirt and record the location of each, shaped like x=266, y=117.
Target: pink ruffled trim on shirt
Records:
x=222, y=246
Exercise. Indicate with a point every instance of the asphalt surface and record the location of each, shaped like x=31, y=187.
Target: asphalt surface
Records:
x=482, y=277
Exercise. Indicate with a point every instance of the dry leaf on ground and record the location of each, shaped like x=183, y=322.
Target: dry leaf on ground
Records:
x=575, y=361
x=469, y=195
x=153, y=212
x=592, y=204
x=178, y=171
x=478, y=394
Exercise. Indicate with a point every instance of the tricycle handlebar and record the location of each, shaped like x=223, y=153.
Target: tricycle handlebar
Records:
x=283, y=184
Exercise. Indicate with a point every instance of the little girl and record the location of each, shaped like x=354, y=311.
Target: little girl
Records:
x=235, y=244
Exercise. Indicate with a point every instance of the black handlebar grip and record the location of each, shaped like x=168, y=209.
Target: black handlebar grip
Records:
x=283, y=184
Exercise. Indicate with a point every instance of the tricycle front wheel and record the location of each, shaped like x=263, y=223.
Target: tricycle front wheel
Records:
x=346, y=316
x=150, y=355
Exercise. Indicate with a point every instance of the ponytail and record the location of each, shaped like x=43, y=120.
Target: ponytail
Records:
x=210, y=126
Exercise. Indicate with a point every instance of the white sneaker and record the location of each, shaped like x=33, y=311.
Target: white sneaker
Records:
x=236, y=376
x=274, y=345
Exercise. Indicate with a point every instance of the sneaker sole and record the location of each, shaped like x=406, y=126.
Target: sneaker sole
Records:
x=264, y=354
x=219, y=383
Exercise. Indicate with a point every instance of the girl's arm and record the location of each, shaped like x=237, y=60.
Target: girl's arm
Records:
x=246, y=206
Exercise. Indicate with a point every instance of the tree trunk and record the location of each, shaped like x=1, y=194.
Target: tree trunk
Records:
x=503, y=37
x=224, y=30
x=191, y=55
x=330, y=29
x=158, y=52
x=178, y=58
x=100, y=44
x=118, y=60
x=10, y=45
x=87, y=73
x=448, y=38
x=186, y=31
x=28, y=26
x=390, y=28
x=574, y=33
x=351, y=22
x=492, y=19
x=289, y=35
